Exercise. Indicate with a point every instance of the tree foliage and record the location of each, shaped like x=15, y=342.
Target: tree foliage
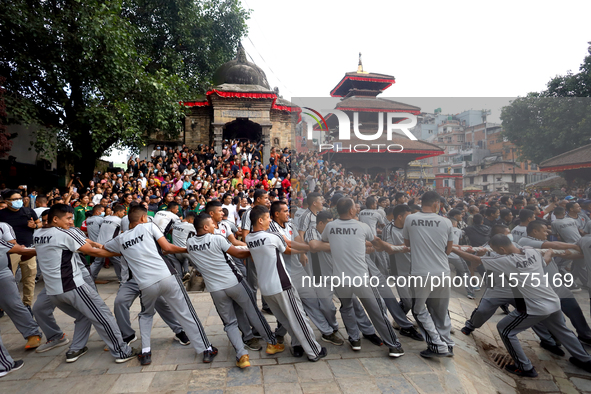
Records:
x=104, y=73
x=556, y=120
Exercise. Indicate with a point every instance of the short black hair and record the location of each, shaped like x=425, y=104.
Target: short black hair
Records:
x=505, y=212
x=200, y=220
x=477, y=219
x=323, y=217
x=559, y=211
x=171, y=205
x=569, y=206
x=500, y=240
x=490, y=211
x=190, y=214
x=58, y=210
x=211, y=205
x=535, y=225
x=136, y=213
x=258, y=193
x=97, y=208
x=312, y=196
x=504, y=200
x=257, y=212
x=525, y=214
x=400, y=210
x=344, y=205
x=276, y=206
x=370, y=201
x=118, y=208
x=430, y=198
x=399, y=195
x=453, y=213
x=7, y=194
x=498, y=229
x=382, y=199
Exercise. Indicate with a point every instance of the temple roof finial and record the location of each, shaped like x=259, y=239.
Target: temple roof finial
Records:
x=360, y=65
x=241, y=54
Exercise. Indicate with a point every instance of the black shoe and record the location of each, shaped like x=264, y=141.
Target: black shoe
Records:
x=297, y=351
x=134, y=353
x=253, y=344
x=145, y=358
x=182, y=338
x=586, y=341
x=130, y=339
x=586, y=365
x=18, y=364
x=72, y=355
x=355, y=345
x=396, y=351
x=412, y=333
x=268, y=311
x=466, y=330
x=450, y=351
x=374, y=338
x=280, y=338
x=1, y=313
x=554, y=349
x=512, y=368
x=430, y=354
x=322, y=354
x=209, y=355
x=505, y=309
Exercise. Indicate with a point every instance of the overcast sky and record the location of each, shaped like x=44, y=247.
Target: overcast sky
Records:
x=432, y=48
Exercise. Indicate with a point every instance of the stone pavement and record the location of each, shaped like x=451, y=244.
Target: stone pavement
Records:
x=177, y=369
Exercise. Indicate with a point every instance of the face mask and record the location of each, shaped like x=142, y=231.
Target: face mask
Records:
x=510, y=236
x=103, y=213
x=18, y=204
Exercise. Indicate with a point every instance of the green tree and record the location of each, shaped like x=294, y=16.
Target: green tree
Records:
x=545, y=124
x=104, y=73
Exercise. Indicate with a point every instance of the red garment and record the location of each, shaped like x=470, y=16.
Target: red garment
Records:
x=286, y=184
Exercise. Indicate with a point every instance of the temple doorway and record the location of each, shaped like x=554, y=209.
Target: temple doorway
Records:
x=243, y=129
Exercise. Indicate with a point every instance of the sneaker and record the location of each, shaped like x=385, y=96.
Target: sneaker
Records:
x=512, y=368
x=297, y=351
x=47, y=346
x=374, y=338
x=466, y=330
x=554, y=349
x=477, y=288
x=355, y=345
x=470, y=296
x=209, y=355
x=274, y=349
x=134, y=353
x=1, y=316
x=574, y=288
x=505, y=309
x=586, y=341
x=186, y=276
x=253, y=344
x=322, y=354
x=412, y=333
x=430, y=354
x=280, y=339
x=18, y=364
x=33, y=342
x=396, y=351
x=450, y=351
x=145, y=358
x=333, y=338
x=130, y=339
x=244, y=362
x=586, y=365
x=73, y=355
x=268, y=311
x=182, y=338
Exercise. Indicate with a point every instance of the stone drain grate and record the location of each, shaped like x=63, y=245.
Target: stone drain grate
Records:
x=500, y=359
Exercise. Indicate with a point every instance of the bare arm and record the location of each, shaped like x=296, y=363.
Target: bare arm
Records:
x=234, y=241
x=472, y=259
x=559, y=245
x=170, y=248
x=238, y=253
x=450, y=245
x=319, y=246
x=89, y=250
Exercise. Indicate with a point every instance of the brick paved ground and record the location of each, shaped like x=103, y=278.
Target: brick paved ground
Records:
x=177, y=369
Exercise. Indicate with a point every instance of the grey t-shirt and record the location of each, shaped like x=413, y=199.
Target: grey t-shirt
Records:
x=551, y=268
x=245, y=220
x=267, y=251
x=180, y=232
x=140, y=248
x=93, y=227
x=57, y=258
x=394, y=236
x=587, y=228
x=539, y=299
x=110, y=228
x=208, y=253
x=6, y=235
x=372, y=217
x=324, y=258
x=307, y=221
x=347, y=244
x=428, y=234
x=567, y=228
x=518, y=232
x=585, y=244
